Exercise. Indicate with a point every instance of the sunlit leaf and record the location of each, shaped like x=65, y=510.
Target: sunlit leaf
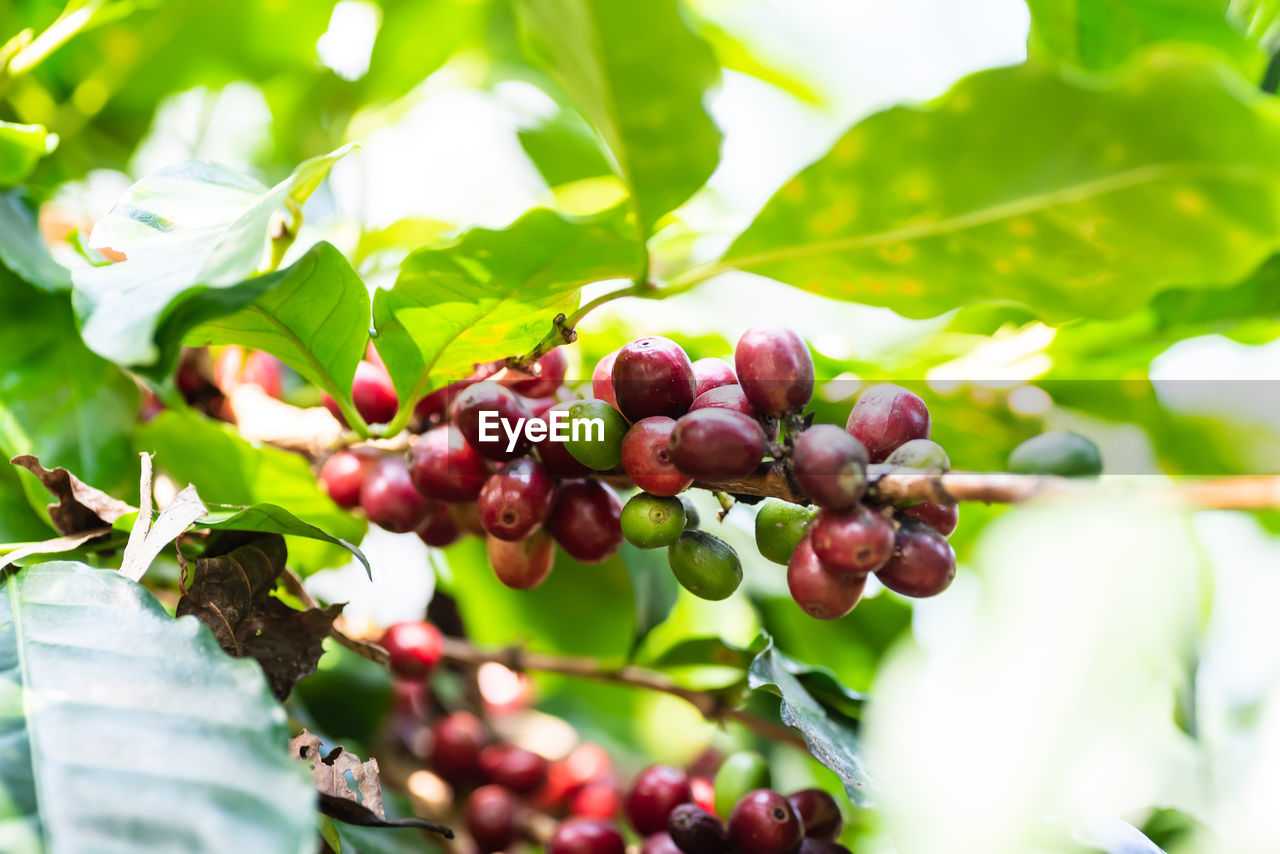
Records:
x=21, y=147
x=22, y=248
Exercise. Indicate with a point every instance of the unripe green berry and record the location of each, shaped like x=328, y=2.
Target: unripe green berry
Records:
x=585, y=443
x=706, y=566
x=1059, y=452
x=780, y=525
x=920, y=454
x=650, y=521
x=741, y=772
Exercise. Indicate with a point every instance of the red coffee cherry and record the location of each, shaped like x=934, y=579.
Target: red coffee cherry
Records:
x=830, y=466
x=730, y=397
x=344, y=472
x=586, y=520
x=586, y=836
x=647, y=460
x=857, y=541
x=602, y=380
x=438, y=529
x=517, y=500
x=923, y=562
x=820, y=592
x=655, y=792
x=438, y=402
x=389, y=497
x=763, y=822
x=818, y=811
x=715, y=444
x=653, y=376
x=554, y=455
x=712, y=373
x=522, y=564
x=373, y=394
x=597, y=799
x=943, y=518
x=659, y=843
x=704, y=792
x=696, y=831
x=810, y=845
x=491, y=818
x=774, y=369
x=444, y=467
x=547, y=376
x=885, y=417
x=415, y=648
x=502, y=410
x=456, y=741
x=522, y=771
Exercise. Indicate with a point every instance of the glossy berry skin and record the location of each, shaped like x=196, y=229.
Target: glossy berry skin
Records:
x=596, y=799
x=650, y=521
x=818, y=811
x=522, y=771
x=343, y=474
x=696, y=831
x=919, y=454
x=554, y=455
x=373, y=395
x=780, y=525
x=856, y=541
x=715, y=444
x=438, y=528
x=740, y=773
x=415, y=648
x=522, y=564
x=763, y=822
x=886, y=417
x=547, y=376
x=813, y=845
x=586, y=520
x=730, y=397
x=444, y=467
x=830, y=466
x=653, y=376
x=517, y=500
x=712, y=373
x=596, y=449
x=704, y=793
x=821, y=593
x=647, y=460
x=491, y=818
x=456, y=741
x=490, y=397
x=923, y=562
x=659, y=843
x=586, y=836
x=602, y=380
x=655, y=792
x=389, y=497
x=705, y=565
x=774, y=369
x=943, y=518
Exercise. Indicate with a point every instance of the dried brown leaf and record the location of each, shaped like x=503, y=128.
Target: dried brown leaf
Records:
x=79, y=507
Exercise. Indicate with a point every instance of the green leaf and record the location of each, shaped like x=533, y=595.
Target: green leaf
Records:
x=492, y=294
x=118, y=720
x=226, y=469
x=271, y=519
x=188, y=228
x=22, y=247
x=564, y=149
x=1072, y=195
x=828, y=734
x=19, y=522
x=313, y=316
x=21, y=147
x=639, y=76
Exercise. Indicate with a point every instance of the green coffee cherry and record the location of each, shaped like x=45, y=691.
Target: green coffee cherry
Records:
x=1059, y=452
x=649, y=521
x=691, y=517
x=585, y=444
x=920, y=454
x=704, y=565
x=779, y=527
x=739, y=774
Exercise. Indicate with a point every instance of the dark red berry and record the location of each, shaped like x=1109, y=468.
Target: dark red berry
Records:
x=704, y=791
x=522, y=564
x=586, y=836
x=373, y=394
x=774, y=369
x=522, y=771
x=712, y=373
x=438, y=529
x=923, y=562
x=547, y=375
x=439, y=401
x=265, y=371
x=445, y=467
x=647, y=459
x=516, y=500
x=597, y=799
x=389, y=497
x=655, y=792
x=820, y=592
x=602, y=380
x=730, y=397
x=344, y=472
x=659, y=843
x=554, y=455
x=696, y=831
x=415, y=648
x=763, y=822
x=716, y=444
x=586, y=520
x=830, y=466
x=818, y=811
x=885, y=417
x=456, y=741
x=486, y=413
x=858, y=540
x=491, y=818
x=811, y=845
x=653, y=376
x=943, y=518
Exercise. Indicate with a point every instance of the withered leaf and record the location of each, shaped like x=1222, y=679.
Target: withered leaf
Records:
x=79, y=507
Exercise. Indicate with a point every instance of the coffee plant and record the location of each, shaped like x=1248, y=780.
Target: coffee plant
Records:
x=491, y=426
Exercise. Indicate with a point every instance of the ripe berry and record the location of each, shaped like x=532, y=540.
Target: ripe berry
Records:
x=740, y=773
x=764, y=823
x=389, y=497
x=712, y=373
x=602, y=380
x=596, y=448
x=716, y=444
x=774, y=369
x=696, y=831
x=519, y=770
x=818, y=811
x=885, y=417
x=653, y=376
x=439, y=528
x=704, y=793
x=706, y=566
x=779, y=527
x=659, y=843
x=586, y=836
x=655, y=792
x=554, y=455
x=650, y=521
x=920, y=454
x=811, y=845
x=456, y=741
x=445, y=467
x=586, y=520
x=647, y=460
x=1059, y=452
x=730, y=397
x=415, y=648
x=548, y=373
x=517, y=500
x=344, y=472
x=503, y=411
x=440, y=400
x=821, y=593
x=373, y=394
x=523, y=564
x=491, y=818
x=597, y=799
x=943, y=518
x=923, y=562
x=830, y=466
x=857, y=541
